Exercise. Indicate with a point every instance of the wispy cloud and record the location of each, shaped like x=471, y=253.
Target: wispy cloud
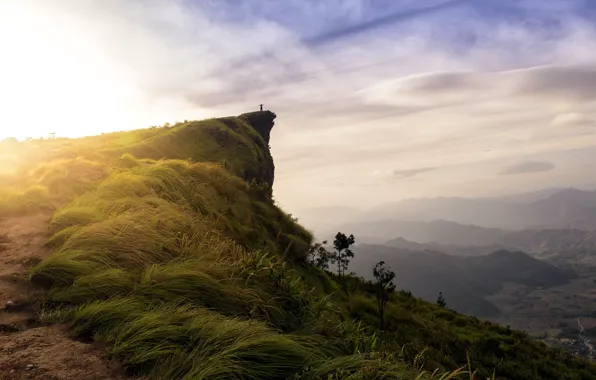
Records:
x=392, y=18
x=410, y=172
x=358, y=85
x=528, y=167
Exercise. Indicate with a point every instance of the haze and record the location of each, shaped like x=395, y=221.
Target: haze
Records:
x=376, y=100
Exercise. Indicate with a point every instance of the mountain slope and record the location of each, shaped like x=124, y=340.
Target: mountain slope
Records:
x=169, y=251
x=561, y=246
x=438, y=231
x=450, y=249
x=465, y=281
x=561, y=209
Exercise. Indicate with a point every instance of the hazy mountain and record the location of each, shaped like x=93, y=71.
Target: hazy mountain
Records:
x=531, y=196
x=325, y=218
x=568, y=208
x=464, y=281
x=439, y=231
x=450, y=249
x=561, y=246
x=565, y=248
x=545, y=209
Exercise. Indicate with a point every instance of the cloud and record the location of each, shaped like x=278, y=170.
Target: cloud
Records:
x=433, y=84
x=375, y=23
x=528, y=167
x=573, y=120
x=569, y=83
x=410, y=172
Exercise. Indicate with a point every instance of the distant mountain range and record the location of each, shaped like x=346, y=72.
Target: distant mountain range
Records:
x=464, y=281
x=554, y=224
x=468, y=248
x=450, y=249
x=545, y=209
x=439, y=231
x=569, y=208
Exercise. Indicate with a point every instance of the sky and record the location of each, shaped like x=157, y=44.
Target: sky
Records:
x=377, y=100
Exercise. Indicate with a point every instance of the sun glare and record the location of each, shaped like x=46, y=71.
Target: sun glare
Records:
x=55, y=78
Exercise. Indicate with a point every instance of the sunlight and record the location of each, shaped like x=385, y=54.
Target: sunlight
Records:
x=8, y=164
x=57, y=78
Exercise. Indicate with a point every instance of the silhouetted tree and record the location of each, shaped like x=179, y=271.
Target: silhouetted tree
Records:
x=319, y=256
x=342, y=253
x=441, y=300
x=384, y=287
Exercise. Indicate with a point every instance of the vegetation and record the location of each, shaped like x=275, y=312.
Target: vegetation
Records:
x=318, y=256
x=384, y=283
x=341, y=256
x=467, y=281
x=441, y=300
x=169, y=249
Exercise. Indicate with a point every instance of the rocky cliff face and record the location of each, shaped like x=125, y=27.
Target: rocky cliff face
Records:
x=262, y=122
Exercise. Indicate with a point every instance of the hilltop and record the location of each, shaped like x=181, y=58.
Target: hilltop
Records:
x=165, y=248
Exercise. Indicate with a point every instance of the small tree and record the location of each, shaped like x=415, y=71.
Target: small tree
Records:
x=441, y=301
x=384, y=286
x=319, y=256
x=342, y=253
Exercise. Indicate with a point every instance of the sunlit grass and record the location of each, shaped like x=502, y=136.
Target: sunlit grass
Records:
x=169, y=250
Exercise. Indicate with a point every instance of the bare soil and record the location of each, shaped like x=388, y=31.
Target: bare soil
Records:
x=29, y=350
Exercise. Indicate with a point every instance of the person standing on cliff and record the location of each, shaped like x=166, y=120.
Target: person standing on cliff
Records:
x=261, y=108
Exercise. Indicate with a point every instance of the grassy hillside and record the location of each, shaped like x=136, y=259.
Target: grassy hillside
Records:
x=169, y=250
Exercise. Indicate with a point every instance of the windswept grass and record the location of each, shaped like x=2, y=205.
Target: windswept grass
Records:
x=15, y=201
x=151, y=262
x=49, y=185
x=169, y=249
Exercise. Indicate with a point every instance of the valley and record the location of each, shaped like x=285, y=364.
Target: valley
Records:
x=539, y=279
x=548, y=312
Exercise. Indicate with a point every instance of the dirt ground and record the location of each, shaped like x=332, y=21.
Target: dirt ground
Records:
x=27, y=349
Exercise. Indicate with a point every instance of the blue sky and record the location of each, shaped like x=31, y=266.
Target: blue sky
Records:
x=396, y=98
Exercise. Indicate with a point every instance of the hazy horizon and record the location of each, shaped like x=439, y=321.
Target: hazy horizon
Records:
x=377, y=101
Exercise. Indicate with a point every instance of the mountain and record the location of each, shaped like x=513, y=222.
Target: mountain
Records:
x=555, y=209
x=325, y=218
x=464, y=281
x=450, y=249
x=443, y=236
x=561, y=246
x=438, y=231
x=529, y=197
x=169, y=252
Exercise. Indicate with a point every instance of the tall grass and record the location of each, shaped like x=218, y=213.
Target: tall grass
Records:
x=49, y=185
x=149, y=262
x=188, y=270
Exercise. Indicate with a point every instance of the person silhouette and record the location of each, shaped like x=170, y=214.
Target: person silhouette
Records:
x=261, y=108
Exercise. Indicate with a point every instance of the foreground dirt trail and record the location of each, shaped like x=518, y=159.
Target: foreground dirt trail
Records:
x=28, y=350
x=21, y=245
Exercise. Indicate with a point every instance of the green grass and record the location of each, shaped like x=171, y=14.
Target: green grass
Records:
x=169, y=250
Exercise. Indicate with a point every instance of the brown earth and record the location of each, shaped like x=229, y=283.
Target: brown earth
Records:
x=29, y=350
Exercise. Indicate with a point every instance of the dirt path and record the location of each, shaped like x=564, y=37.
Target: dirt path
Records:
x=27, y=349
